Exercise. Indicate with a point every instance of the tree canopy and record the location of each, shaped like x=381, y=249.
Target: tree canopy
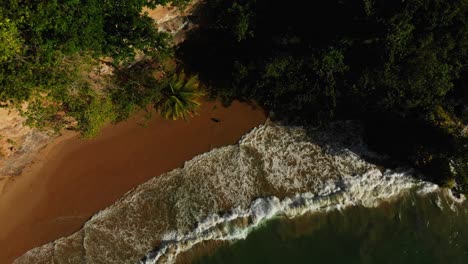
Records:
x=36, y=36
x=48, y=49
x=396, y=62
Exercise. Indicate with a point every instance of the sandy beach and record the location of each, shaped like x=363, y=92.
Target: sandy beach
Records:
x=72, y=179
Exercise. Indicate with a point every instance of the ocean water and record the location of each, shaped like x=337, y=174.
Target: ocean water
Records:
x=233, y=193
x=412, y=229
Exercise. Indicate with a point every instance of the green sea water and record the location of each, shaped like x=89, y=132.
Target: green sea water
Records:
x=412, y=229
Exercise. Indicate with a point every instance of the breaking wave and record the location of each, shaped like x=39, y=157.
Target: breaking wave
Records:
x=367, y=190
x=293, y=170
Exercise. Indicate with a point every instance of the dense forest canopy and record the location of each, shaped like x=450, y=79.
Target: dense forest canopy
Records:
x=399, y=66
x=398, y=56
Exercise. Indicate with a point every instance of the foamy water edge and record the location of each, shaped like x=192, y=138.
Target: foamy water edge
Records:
x=368, y=190
x=313, y=171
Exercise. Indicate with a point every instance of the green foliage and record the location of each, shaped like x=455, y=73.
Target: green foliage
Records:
x=402, y=57
x=422, y=53
x=10, y=42
x=243, y=14
x=180, y=97
x=99, y=113
x=35, y=36
x=89, y=109
x=136, y=87
x=43, y=115
x=149, y=82
x=398, y=65
x=311, y=91
x=127, y=30
x=49, y=48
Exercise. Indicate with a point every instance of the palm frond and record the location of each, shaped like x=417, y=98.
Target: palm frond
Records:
x=180, y=97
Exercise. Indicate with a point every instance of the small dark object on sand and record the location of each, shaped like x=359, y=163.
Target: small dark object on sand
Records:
x=216, y=120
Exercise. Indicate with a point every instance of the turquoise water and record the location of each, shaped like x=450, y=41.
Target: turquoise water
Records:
x=413, y=229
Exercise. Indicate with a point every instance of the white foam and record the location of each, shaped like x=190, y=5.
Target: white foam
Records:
x=367, y=190
x=312, y=171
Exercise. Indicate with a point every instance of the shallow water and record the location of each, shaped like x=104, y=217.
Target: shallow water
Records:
x=226, y=193
x=412, y=229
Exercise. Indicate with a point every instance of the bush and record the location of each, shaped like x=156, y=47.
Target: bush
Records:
x=100, y=112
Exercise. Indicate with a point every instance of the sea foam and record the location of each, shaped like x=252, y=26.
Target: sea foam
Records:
x=226, y=193
x=367, y=190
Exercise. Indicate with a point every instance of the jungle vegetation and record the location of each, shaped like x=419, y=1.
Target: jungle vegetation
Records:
x=400, y=67
x=48, y=49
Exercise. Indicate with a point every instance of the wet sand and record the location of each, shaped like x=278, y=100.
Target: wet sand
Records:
x=72, y=179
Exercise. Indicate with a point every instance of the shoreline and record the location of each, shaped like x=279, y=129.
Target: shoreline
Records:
x=72, y=179
x=226, y=193
x=298, y=238
x=243, y=221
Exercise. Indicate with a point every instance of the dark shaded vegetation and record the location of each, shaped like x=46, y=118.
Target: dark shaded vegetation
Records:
x=398, y=66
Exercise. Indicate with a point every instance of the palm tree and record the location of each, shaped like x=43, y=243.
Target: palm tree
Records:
x=180, y=97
